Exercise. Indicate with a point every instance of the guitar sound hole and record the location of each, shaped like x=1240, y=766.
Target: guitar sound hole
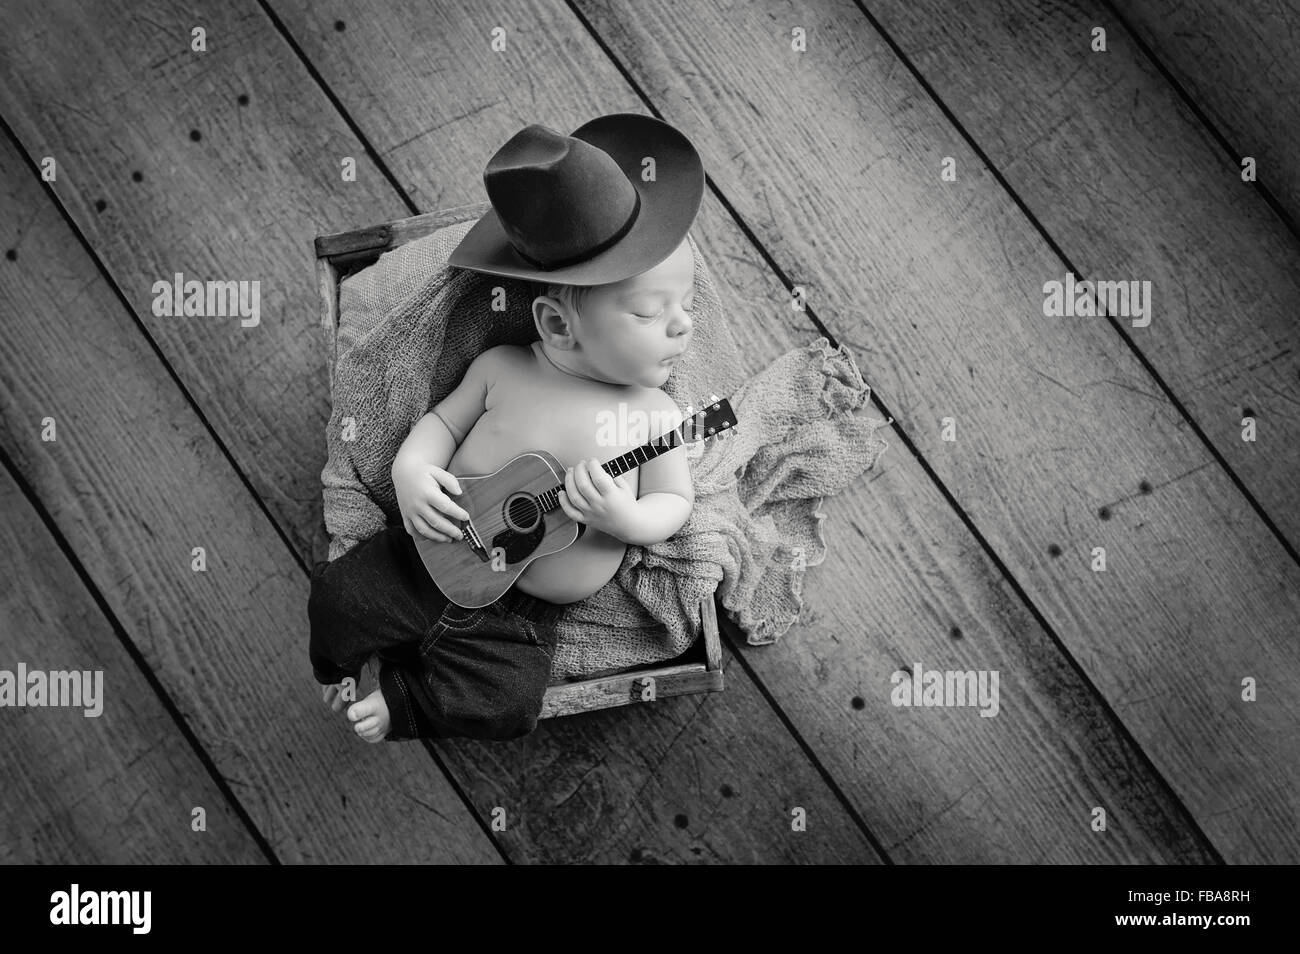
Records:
x=522, y=513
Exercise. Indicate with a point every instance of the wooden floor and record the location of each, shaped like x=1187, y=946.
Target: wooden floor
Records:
x=1121, y=691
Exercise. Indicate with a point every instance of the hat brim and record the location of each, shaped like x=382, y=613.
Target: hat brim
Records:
x=669, y=205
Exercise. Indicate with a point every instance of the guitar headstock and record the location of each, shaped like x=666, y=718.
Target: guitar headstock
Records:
x=715, y=418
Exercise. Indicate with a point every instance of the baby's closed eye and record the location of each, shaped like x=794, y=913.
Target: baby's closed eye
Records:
x=686, y=306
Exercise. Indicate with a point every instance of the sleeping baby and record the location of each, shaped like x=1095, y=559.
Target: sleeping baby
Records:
x=605, y=249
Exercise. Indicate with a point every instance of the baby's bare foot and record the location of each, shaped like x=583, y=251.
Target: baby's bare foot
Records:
x=335, y=695
x=370, y=717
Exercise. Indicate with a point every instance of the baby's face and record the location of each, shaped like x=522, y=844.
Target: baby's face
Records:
x=630, y=332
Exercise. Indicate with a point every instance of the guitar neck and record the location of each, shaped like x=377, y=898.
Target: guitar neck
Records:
x=634, y=458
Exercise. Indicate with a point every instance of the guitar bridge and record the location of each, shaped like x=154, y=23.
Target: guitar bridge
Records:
x=470, y=536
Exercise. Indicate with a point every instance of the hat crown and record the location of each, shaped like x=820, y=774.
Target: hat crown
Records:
x=559, y=199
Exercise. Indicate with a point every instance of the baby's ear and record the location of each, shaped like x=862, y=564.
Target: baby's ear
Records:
x=548, y=320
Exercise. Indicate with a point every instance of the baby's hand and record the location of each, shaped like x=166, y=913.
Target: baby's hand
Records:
x=593, y=497
x=424, y=503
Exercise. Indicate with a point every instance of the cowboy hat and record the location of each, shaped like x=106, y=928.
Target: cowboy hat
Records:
x=575, y=210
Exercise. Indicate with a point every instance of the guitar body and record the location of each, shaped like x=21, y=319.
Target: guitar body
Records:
x=507, y=530
x=515, y=516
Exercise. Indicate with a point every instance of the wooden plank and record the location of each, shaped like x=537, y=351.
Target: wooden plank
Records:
x=135, y=483
x=241, y=202
x=832, y=159
x=712, y=645
x=1237, y=62
x=117, y=787
x=244, y=205
x=612, y=691
x=904, y=582
x=1166, y=209
x=392, y=234
x=663, y=782
x=327, y=280
x=903, y=777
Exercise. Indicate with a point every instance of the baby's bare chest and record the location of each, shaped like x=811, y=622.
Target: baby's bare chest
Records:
x=532, y=413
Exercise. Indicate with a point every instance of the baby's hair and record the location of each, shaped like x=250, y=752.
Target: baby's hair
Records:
x=570, y=295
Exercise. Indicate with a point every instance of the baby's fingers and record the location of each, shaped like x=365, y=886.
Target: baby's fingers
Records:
x=448, y=506
x=569, y=509
x=583, y=479
x=446, y=480
x=599, y=475
x=424, y=530
x=439, y=521
x=572, y=489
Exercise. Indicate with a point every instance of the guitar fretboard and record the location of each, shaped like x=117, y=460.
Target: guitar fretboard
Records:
x=550, y=500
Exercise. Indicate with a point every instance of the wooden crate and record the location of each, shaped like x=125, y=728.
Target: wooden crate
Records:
x=699, y=669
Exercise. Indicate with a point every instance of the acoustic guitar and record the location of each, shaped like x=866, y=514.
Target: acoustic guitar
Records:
x=515, y=515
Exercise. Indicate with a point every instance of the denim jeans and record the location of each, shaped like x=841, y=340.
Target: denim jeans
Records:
x=445, y=671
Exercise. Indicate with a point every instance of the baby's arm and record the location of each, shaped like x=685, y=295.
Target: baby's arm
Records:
x=666, y=492
x=419, y=474
x=593, y=497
